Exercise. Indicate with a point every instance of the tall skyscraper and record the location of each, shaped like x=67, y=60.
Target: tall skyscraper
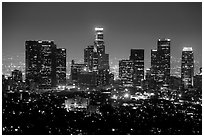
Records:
x=42, y=59
x=33, y=62
x=163, y=61
x=187, y=67
x=137, y=56
x=126, y=69
x=61, y=66
x=154, y=65
x=97, y=60
x=88, y=56
x=99, y=37
x=48, y=64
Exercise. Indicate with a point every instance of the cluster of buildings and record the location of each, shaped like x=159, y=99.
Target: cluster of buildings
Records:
x=46, y=67
x=131, y=71
x=95, y=71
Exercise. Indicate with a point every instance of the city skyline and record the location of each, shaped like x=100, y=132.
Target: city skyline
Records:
x=63, y=79
x=141, y=24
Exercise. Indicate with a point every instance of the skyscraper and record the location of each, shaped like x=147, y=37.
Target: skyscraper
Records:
x=61, y=66
x=33, y=62
x=97, y=60
x=137, y=56
x=126, y=69
x=102, y=58
x=42, y=58
x=187, y=67
x=154, y=65
x=48, y=64
x=88, y=56
x=99, y=37
x=163, y=61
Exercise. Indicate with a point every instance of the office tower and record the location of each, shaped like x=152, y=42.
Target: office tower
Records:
x=48, y=65
x=76, y=70
x=17, y=76
x=163, y=61
x=137, y=56
x=197, y=81
x=33, y=62
x=126, y=69
x=97, y=60
x=61, y=66
x=99, y=36
x=88, y=56
x=154, y=65
x=187, y=67
x=42, y=59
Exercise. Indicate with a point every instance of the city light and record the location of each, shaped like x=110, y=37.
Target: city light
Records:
x=138, y=102
x=98, y=29
x=187, y=49
x=126, y=95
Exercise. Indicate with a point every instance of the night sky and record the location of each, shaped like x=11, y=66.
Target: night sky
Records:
x=126, y=26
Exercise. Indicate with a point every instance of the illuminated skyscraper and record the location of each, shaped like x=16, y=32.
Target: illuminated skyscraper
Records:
x=99, y=37
x=33, y=62
x=48, y=64
x=163, y=61
x=43, y=59
x=154, y=65
x=187, y=67
x=97, y=60
x=126, y=69
x=88, y=56
x=137, y=56
x=61, y=66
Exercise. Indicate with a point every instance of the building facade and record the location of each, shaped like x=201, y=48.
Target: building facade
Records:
x=187, y=67
x=126, y=69
x=44, y=64
x=137, y=56
x=76, y=70
x=96, y=58
x=61, y=66
x=163, y=61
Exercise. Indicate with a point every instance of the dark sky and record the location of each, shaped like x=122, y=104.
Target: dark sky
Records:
x=126, y=26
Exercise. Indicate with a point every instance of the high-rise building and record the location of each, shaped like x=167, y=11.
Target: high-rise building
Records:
x=76, y=70
x=187, y=67
x=126, y=69
x=61, y=66
x=42, y=59
x=33, y=62
x=88, y=56
x=97, y=60
x=137, y=56
x=163, y=61
x=154, y=65
x=99, y=37
x=48, y=65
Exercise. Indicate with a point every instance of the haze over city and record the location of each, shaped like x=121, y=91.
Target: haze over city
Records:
x=126, y=26
x=102, y=68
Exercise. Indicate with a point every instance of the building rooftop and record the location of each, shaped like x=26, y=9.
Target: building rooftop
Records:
x=187, y=49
